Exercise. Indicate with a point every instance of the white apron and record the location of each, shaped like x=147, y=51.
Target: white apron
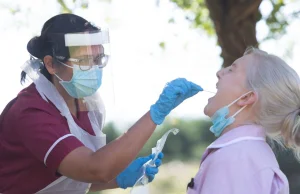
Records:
x=96, y=114
x=64, y=185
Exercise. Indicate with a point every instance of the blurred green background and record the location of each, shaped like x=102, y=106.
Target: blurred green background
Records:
x=183, y=153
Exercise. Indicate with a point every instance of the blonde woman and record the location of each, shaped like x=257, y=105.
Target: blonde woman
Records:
x=258, y=96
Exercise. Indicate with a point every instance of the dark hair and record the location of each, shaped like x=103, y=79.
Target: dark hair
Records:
x=51, y=41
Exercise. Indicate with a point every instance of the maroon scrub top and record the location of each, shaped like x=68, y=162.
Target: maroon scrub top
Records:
x=34, y=139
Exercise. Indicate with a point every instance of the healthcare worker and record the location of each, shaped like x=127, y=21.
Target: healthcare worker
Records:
x=258, y=96
x=51, y=138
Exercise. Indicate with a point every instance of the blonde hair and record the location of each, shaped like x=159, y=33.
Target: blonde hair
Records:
x=278, y=88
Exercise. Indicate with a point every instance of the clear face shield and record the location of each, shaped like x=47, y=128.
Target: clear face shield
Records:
x=89, y=56
x=88, y=49
x=85, y=56
x=80, y=64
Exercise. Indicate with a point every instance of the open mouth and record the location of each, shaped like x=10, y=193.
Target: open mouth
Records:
x=212, y=97
x=215, y=93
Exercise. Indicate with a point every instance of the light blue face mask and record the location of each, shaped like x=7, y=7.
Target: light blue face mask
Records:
x=219, y=120
x=83, y=83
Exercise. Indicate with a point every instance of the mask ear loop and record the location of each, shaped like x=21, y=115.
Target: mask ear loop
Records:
x=238, y=99
x=57, y=60
x=237, y=112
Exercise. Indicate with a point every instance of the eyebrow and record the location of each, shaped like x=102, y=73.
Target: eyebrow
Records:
x=234, y=65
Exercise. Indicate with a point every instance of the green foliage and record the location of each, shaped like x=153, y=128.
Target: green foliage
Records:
x=182, y=146
x=83, y=4
x=111, y=132
x=12, y=10
x=64, y=7
x=276, y=21
x=162, y=45
x=198, y=14
x=189, y=144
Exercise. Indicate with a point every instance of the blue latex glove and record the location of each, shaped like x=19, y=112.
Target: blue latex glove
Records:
x=174, y=93
x=134, y=171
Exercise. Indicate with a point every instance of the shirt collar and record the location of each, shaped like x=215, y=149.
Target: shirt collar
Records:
x=241, y=133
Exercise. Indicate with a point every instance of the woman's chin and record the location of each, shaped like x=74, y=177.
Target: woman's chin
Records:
x=206, y=110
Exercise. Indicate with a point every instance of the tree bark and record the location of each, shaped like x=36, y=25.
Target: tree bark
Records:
x=235, y=25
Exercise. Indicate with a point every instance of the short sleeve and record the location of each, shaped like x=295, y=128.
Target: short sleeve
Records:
x=272, y=181
x=46, y=136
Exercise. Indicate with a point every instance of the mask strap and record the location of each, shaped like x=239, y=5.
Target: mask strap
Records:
x=237, y=112
x=65, y=64
x=58, y=77
x=238, y=99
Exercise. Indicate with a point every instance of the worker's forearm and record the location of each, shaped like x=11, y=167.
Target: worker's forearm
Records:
x=118, y=154
x=104, y=186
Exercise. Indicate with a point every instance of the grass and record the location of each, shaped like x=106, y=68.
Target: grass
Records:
x=172, y=178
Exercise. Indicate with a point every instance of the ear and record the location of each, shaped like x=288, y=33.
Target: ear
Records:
x=48, y=61
x=248, y=99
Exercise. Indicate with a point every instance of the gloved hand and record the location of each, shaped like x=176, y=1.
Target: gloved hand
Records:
x=174, y=93
x=134, y=171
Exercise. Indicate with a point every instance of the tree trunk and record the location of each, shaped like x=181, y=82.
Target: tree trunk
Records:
x=235, y=25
